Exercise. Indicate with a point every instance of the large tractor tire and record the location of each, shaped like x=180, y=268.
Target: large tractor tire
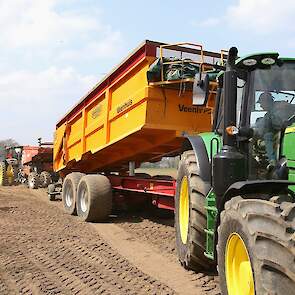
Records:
x=3, y=175
x=94, y=198
x=256, y=247
x=45, y=179
x=69, y=192
x=11, y=174
x=190, y=215
x=33, y=180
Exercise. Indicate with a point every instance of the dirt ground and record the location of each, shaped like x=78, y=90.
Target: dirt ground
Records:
x=45, y=251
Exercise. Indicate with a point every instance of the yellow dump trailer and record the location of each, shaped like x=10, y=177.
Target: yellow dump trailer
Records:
x=126, y=118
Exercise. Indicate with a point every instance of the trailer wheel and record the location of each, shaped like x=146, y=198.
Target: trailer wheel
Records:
x=69, y=192
x=256, y=247
x=51, y=192
x=94, y=198
x=33, y=180
x=3, y=176
x=190, y=215
x=45, y=179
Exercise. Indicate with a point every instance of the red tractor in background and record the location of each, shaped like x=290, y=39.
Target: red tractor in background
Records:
x=28, y=164
x=37, y=168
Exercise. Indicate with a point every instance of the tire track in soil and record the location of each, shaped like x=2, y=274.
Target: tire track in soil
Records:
x=44, y=251
x=159, y=233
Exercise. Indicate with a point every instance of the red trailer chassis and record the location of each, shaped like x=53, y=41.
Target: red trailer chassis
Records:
x=161, y=191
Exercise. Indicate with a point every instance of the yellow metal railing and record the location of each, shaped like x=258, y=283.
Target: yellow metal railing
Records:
x=223, y=55
x=200, y=58
x=171, y=46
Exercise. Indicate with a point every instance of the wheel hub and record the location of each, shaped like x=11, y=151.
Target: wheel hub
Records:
x=69, y=197
x=84, y=200
x=184, y=209
x=10, y=174
x=2, y=174
x=238, y=269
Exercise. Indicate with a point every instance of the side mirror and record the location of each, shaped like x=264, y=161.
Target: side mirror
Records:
x=201, y=89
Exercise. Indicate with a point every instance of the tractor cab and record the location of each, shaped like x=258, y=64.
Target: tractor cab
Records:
x=260, y=105
x=265, y=108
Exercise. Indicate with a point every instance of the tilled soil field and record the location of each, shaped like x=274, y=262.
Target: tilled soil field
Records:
x=45, y=251
x=159, y=234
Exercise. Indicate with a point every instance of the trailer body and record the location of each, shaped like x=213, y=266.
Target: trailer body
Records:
x=37, y=158
x=125, y=118
x=36, y=165
x=28, y=153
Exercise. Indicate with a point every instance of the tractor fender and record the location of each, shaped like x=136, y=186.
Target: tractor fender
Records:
x=250, y=189
x=197, y=144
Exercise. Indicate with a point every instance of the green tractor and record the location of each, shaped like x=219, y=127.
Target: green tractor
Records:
x=235, y=203
x=289, y=151
x=10, y=160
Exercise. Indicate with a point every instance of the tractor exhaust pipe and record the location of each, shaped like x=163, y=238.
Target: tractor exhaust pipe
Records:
x=230, y=96
x=229, y=165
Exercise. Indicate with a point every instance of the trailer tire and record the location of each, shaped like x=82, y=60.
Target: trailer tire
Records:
x=45, y=179
x=33, y=180
x=257, y=236
x=190, y=234
x=3, y=176
x=69, y=192
x=94, y=198
x=51, y=192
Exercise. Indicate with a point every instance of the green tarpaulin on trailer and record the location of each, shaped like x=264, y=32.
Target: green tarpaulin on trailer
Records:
x=177, y=70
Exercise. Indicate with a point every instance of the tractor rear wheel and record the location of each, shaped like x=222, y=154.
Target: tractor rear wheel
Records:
x=94, y=198
x=3, y=176
x=45, y=179
x=190, y=215
x=33, y=180
x=69, y=192
x=256, y=246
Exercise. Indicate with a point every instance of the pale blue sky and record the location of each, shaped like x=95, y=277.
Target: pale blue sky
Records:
x=53, y=51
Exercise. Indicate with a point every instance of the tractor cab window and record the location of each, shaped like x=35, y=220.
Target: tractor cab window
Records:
x=272, y=109
x=220, y=116
x=281, y=107
x=240, y=92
